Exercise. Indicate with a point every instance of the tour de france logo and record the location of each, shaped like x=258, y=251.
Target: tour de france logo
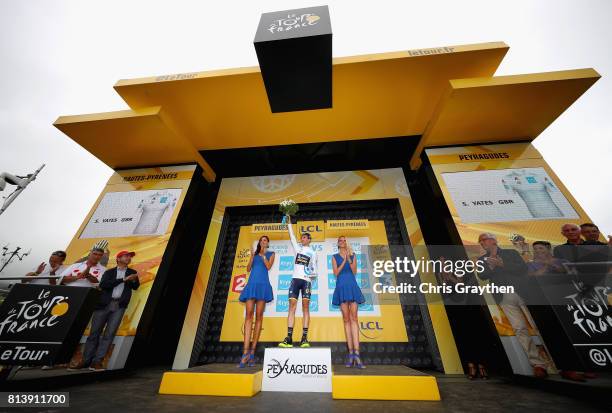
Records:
x=589, y=311
x=42, y=313
x=293, y=22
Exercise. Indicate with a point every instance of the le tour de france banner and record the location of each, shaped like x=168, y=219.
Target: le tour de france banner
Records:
x=41, y=324
x=380, y=316
x=510, y=191
x=136, y=211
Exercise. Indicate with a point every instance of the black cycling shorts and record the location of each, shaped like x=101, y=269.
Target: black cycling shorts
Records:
x=298, y=285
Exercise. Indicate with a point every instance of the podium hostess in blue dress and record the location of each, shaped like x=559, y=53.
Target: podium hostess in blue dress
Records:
x=348, y=296
x=255, y=295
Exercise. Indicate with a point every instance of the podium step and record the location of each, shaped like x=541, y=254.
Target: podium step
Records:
x=372, y=383
x=383, y=383
x=213, y=380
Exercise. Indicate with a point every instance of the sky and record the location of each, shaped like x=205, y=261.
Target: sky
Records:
x=63, y=57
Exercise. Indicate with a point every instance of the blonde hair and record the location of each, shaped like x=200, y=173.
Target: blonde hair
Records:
x=349, y=249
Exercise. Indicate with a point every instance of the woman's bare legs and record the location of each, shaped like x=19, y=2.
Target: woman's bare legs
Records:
x=261, y=307
x=248, y=325
x=355, y=330
x=354, y=323
x=348, y=331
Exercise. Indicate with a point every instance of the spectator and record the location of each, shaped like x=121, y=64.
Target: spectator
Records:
x=102, y=244
x=85, y=274
x=543, y=261
x=54, y=267
x=585, y=253
x=506, y=267
x=117, y=285
x=569, y=250
x=590, y=233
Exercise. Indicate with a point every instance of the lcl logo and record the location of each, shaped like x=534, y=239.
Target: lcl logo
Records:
x=310, y=228
x=371, y=329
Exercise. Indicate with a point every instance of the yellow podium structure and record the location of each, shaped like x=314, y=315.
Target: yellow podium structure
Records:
x=372, y=383
x=212, y=380
x=383, y=383
x=389, y=111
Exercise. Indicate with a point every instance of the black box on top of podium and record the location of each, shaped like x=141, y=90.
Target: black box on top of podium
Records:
x=294, y=49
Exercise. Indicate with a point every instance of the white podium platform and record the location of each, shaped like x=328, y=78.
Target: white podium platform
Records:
x=297, y=370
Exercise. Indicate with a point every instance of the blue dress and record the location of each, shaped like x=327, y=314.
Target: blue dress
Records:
x=258, y=287
x=347, y=289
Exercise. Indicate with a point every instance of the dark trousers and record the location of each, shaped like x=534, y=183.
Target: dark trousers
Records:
x=98, y=343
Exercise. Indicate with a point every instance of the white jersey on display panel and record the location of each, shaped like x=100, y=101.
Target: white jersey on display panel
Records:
x=132, y=213
x=534, y=189
x=153, y=208
x=505, y=195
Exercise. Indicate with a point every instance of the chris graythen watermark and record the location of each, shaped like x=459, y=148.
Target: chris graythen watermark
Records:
x=412, y=267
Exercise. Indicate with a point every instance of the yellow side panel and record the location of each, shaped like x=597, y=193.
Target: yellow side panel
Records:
x=385, y=387
x=211, y=384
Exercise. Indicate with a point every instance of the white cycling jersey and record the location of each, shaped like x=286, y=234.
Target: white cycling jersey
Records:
x=535, y=191
x=153, y=209
x=305, y=265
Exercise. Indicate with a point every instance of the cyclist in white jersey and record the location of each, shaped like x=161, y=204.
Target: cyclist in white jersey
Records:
x=304, y=270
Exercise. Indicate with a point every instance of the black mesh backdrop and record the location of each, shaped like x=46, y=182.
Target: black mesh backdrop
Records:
x=420, y=352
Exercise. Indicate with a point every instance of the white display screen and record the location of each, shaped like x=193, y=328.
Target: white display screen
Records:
x=133, y=213
x=504, y=195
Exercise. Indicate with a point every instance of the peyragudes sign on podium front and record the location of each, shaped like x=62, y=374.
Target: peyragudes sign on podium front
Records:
x=297, y=370
x=42, y=325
